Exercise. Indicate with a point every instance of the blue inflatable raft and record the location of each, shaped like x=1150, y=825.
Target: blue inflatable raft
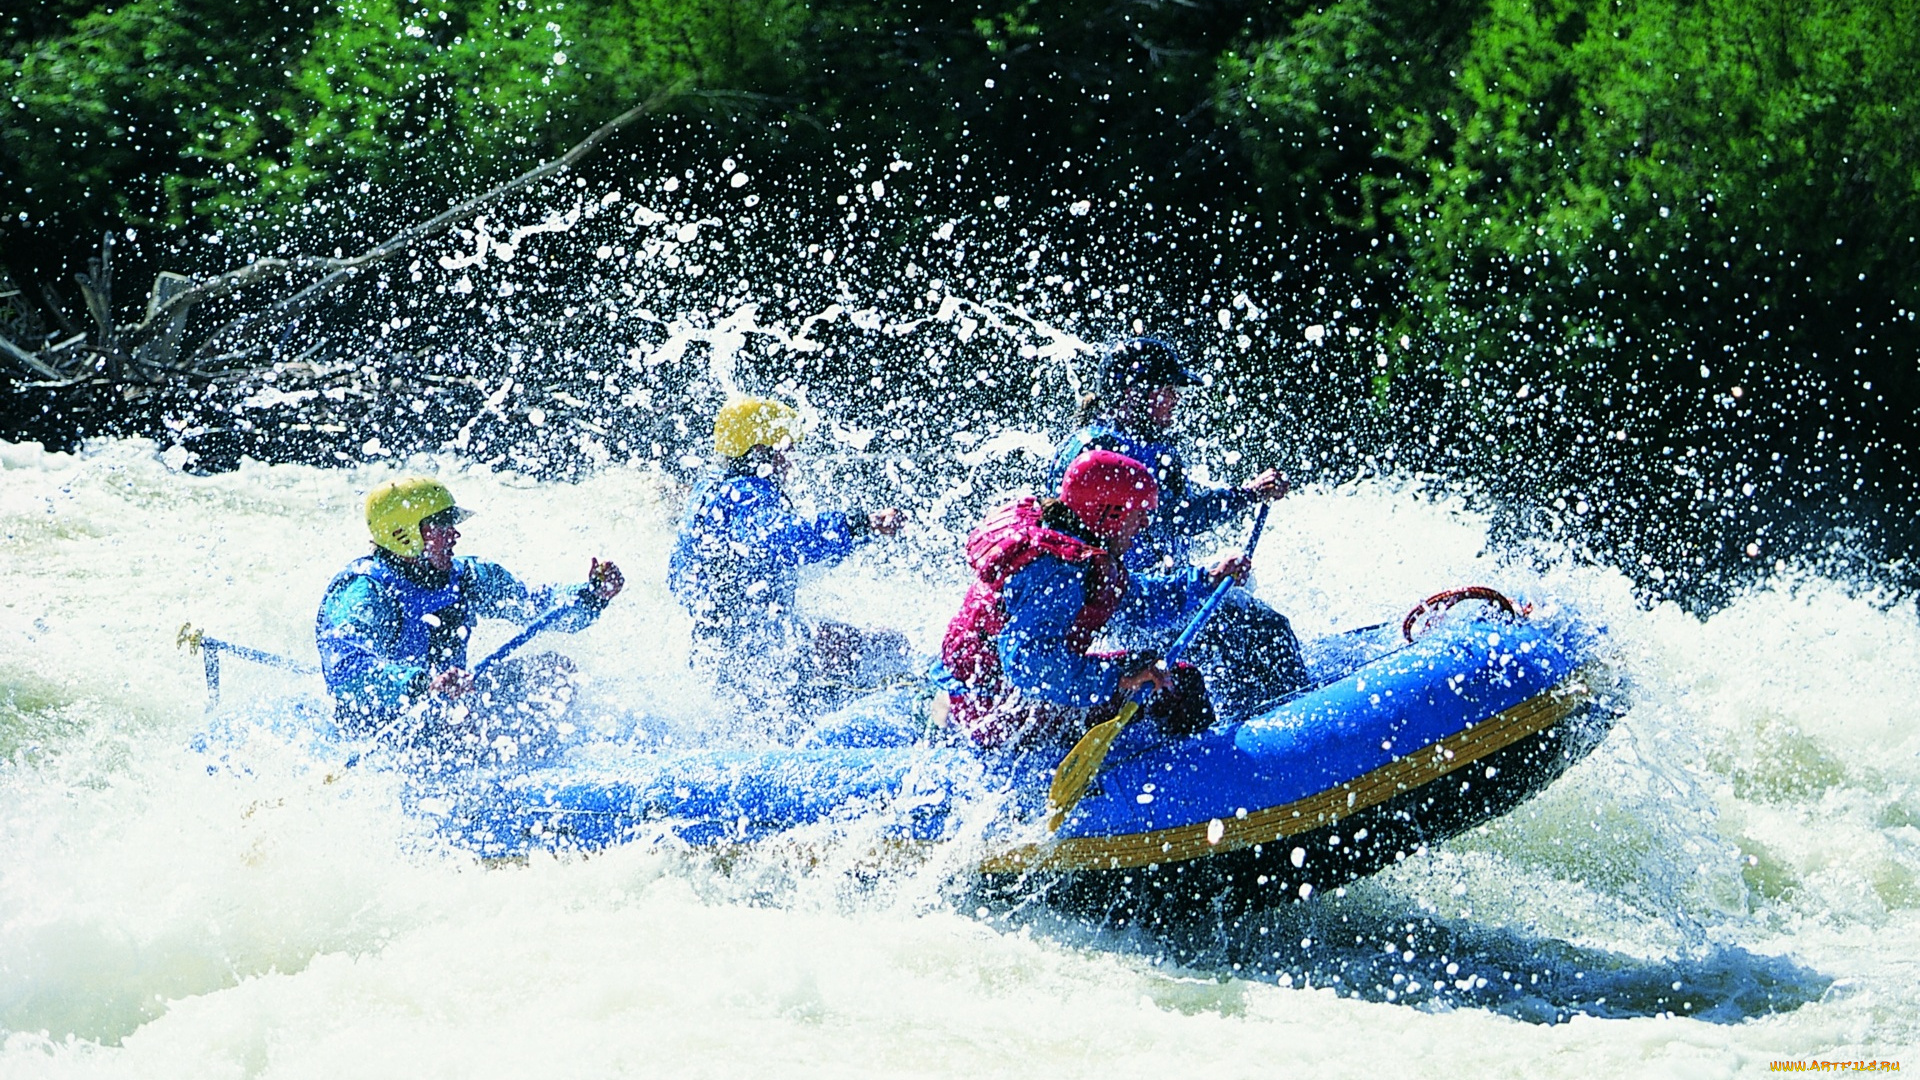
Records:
x=1399, y=746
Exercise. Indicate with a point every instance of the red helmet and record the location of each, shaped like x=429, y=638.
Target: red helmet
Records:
x=1104, y=488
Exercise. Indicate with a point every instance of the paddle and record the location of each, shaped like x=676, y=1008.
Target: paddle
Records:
x=1082, y=763
x=197, y=641
x=533, y=630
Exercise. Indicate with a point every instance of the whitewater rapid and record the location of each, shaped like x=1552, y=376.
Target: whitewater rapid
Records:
x=1732, y=879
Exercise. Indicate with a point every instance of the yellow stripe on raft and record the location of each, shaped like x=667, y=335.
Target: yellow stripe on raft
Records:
x=1536, y=714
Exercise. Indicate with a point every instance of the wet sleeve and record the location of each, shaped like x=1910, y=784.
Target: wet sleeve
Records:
x=495, y=593
x=763, y=522
x=1165, y=601
x=355, y=631
x=1042, y=601
x=1200, y=507
x=1206, y=508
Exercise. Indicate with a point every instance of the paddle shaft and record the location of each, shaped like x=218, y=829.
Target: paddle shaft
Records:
x=210, y=649
x=1199, y=620
x=533, y=630
x=267, y=659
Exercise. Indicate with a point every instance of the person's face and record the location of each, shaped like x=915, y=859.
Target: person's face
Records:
x=1121, y=539
x=438, y=540
x=1159, y=404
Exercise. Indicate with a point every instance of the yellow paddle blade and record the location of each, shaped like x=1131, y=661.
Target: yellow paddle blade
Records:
x=1082, y=764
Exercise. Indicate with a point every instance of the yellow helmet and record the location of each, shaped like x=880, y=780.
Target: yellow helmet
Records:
x=746, y=423
x=396, y=508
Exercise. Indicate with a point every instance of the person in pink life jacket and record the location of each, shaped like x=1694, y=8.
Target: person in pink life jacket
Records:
x=1021, y=669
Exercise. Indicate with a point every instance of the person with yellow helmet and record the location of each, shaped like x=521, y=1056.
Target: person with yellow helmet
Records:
x=736, y=562
x=393, y=626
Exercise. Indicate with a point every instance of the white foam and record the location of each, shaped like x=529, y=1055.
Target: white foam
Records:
x=159, y=920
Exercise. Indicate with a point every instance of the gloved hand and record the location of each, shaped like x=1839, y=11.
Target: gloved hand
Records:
x=1143, y=668
x=605, y=580
x=451, y=683
x=1185, y=709
x=1267, y=487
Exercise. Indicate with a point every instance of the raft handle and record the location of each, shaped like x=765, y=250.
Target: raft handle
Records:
x=1428, y=611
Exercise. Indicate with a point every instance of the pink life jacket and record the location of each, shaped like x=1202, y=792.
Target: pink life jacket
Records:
x=1005, y=543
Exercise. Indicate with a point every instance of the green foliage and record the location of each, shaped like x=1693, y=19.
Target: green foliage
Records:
x=94, y=110
x=1583, y=179
x=1341, y=109
x=394, y=92
x=245, y=117
x=1575, y=175
x=276, y=125
x=1101, y=92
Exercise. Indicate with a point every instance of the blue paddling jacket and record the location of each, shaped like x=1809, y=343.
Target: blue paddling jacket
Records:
x=1042, y=602
x=736, y=563
x=385, y=627
x=1186, y=509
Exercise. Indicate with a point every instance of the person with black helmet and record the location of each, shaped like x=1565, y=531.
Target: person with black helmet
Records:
x=1248, y=650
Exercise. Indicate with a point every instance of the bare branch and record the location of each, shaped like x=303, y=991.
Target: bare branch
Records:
x=344, y=269
x=152, y=348
x=96, y=287
x=164, y=345
x=233, y=281
x=57, y=305
x=29, y=361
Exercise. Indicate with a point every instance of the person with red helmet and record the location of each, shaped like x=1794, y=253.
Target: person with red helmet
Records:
x=1021, y=668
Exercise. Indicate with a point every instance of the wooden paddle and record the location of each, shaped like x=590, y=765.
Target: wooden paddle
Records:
x=1082, y=763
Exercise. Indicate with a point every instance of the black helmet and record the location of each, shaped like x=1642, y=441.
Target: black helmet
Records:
x=1143, y=361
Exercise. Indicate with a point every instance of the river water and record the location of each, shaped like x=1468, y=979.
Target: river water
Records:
x=1732, y=879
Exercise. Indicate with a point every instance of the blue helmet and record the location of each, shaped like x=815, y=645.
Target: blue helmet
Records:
x=1143, y=361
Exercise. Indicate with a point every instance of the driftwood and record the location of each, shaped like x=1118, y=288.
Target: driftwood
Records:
x=163, y=348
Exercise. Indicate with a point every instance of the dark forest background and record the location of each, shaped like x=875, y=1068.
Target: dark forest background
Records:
x=1642, y=273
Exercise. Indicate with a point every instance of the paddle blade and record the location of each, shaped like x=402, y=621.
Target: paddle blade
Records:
x=1082, y=764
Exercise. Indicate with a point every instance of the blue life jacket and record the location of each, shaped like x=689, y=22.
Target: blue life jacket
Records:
x=416, y=641
x=737, y=559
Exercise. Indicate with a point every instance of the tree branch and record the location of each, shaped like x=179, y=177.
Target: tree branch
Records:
x=344, y=269
x=151, y=348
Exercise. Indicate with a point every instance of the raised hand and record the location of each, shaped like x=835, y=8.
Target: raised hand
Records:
x=451, y=683
x=605, y=580
x=1268, y=486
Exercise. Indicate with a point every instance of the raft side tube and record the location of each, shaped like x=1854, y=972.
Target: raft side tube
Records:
x=1339, y=848
x=715, y=796
x=1557, y=708
x=1388, y=710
